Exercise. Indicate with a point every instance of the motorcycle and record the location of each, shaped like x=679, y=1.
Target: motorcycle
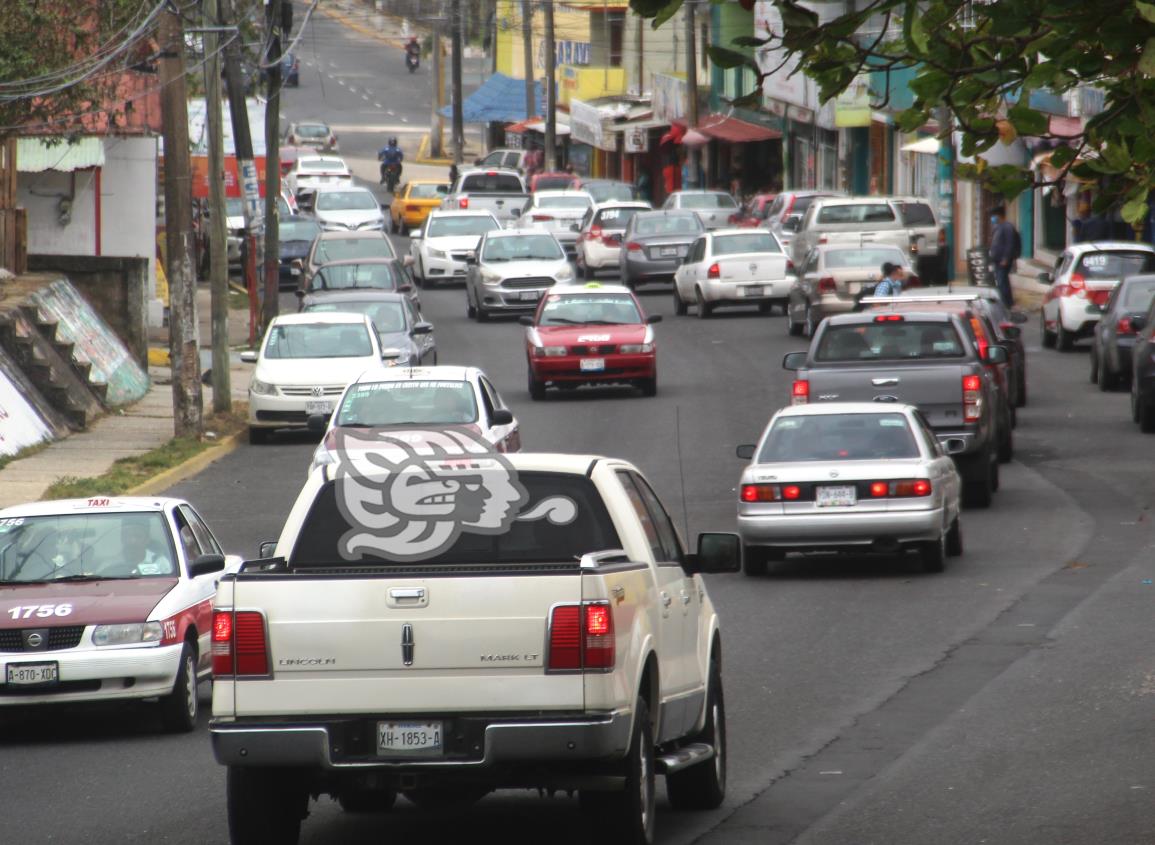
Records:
x=412, y=60
x=391, y=175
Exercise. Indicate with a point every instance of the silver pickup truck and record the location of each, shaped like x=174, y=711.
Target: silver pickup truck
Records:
x=919, y=358
x=501, y=192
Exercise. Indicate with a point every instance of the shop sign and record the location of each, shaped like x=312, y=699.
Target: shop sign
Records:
x=669, y=97
x=636, y=140
x=852, y=106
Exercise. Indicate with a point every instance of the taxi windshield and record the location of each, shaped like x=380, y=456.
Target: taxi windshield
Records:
x=408, y=402
x=84, y=546
x=580, y=310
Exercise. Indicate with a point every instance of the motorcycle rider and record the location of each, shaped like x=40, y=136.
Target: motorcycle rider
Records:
x=390, y=155
x=412, y=51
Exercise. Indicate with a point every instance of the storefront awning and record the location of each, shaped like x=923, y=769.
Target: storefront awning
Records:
x=35, y=155
x=500, y=99
x=735, y=131
x=922, y=145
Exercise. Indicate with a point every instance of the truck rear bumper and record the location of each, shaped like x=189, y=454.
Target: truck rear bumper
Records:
x=503, y=741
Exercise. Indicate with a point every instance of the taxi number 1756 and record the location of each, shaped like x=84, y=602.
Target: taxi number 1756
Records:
x=41, y=611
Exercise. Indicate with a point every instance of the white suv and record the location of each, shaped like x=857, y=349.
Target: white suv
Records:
x=1084, y=276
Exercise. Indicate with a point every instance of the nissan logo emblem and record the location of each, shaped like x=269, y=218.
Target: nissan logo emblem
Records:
x=35, y=640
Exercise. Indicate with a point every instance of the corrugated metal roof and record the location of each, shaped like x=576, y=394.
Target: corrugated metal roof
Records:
x=35, y=155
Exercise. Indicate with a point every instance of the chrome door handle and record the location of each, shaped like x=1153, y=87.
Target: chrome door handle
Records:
x=414, y=593
x=685, y=598
x=666, y=600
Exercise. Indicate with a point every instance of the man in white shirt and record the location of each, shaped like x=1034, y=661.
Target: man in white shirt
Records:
x=138, y=557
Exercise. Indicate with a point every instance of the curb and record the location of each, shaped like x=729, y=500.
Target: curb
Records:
x=187, y=469
x=345, y=20
x=422, y=158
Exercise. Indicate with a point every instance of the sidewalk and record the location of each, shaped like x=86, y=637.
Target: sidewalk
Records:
x=124, y=432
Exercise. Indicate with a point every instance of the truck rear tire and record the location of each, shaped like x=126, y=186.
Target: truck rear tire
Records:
x=265, y=806
x=703, y=786
x=978, y=486
x=628, y=816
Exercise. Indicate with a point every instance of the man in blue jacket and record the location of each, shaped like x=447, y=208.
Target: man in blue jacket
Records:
x=1004, y=251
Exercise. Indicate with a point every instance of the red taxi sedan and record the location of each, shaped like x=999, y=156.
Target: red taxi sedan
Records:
x=590, y=334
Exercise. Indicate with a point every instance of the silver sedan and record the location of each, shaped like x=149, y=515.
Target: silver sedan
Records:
x=655, y=243
x=849, y=476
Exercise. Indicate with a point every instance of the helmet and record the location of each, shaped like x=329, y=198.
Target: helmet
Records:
x=393, y=142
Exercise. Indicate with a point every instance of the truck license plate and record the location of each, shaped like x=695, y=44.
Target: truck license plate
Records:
x=409, y=738
x=836, y=497
x=593, y=365
x=319, y=407
x=753, y=290
x=32, y=674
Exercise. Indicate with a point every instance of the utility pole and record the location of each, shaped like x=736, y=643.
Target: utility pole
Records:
x=274, y=13
x=437, y=125
x=455, y=60
x=217, y=229
x=246, y=166
x=946, y=198
x=550, y=90
x=527, y=56
x=187, y=402
x=692, y=90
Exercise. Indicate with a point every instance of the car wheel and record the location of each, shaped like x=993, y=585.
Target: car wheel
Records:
x=705, y=309
x=1048, y=335
x=1021, y=393
x=482, y=315
x=1064, y=340
x=978, y=487
x=583, y=269
x=470, y=310
x=765, y=307
x=703, y=786
x=954, y=540
x=1095, y=366
x=680, y=306
x=1105, y=378
x=1146, y=417
x=367, y=800
x=265, y=805
x=259, y=436
x=756, y=560
x=934, y=554
x=808, y=326
x=649, y=386
x=628, y=816
x=793, y=329
x=536, y=388
x=179, y=709
x=1006, y=444
x=1134, y=400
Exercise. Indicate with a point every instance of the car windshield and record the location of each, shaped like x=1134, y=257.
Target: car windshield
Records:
x=609, y=191
x=737, y=244
x=708, y=201
x=1137, y=295
x=384, y=275
x=838, y=437
x=522, y=248
x=408, y=402
x=312, y=130
x=577, y=310
x=79, y=546
x=615, y=218
x=298, y=229
x=872, y=257
x=863, y=212
x=387, y=317
x=346, y=201
x=427, y=191
x=572, y=201
x=318, y=340
x=1115, y=264
x=452, y=227
x=345, y=248
x=667, y=224
x=483, y=498
x=889, y=339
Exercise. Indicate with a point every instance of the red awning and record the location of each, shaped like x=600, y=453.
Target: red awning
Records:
x=521, y=127
x=735, y=131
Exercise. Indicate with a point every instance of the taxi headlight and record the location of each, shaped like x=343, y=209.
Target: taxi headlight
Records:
x=262, y=388
x=134, y=633
x=565, y=274
x=636, y=348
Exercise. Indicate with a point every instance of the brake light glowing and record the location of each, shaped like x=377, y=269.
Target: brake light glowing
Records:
x=791, y=492
x=597, y=620
x=1077, y=282
x=581, y=637
x=463, y=202
x=972, y=398
x=903, y=489
x=879, y=489
x=542, y=217
x=595, y=232
x=634, y=246
x=760, y=493
x=827, y=285
x=715, y=272
x=800, y=392
x=239, y=645
x=1124, y=326
x=889, y=318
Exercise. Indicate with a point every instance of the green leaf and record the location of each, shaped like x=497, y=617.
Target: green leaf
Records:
x=916, y=34
x=930, y=85
x=1135, y=210
x=1147, y=60
x=1062, y=156
x=1026, y=120
x=797, y=17
x=727, y=59
x=750, y=41
x=653, y=8
x=1146, y=11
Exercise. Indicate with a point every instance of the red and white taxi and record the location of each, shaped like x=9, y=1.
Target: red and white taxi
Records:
x=590, y=334
x=107, y=598
x=418, y=399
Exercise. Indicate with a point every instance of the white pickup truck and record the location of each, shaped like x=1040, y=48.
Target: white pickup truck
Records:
x=452, y=621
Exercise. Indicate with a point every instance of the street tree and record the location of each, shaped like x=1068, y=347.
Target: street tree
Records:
x=982, y=61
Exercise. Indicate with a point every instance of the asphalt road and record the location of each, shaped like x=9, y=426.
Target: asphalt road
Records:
x=1007, y=700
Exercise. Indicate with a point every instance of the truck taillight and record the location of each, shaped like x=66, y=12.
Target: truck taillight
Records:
x=581, y=638
x=800, y=392
x=239, y=644
x=972, y=398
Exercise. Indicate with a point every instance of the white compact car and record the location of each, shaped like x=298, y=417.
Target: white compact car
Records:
x=318, y=173
x=511, y=270
x=441, y=247
x=348, y=209
x=108, y=599
x=848, y=476
x=599, y=237
x=305, y=363
x=559, y=213
x=1084, y=276
x=733, y=267
x=420, y=399
x=716, y=209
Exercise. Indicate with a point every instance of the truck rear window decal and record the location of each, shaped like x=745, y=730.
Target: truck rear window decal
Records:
x=444, y=496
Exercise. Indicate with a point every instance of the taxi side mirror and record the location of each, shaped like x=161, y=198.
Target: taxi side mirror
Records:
x=501, y=416
x=204, y=564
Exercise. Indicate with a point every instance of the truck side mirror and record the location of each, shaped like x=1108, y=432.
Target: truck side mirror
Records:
x=954, y=445
x=1139, y=322
x=794, y=360
x=996, y=355
x=717, y=552
x=267, y=549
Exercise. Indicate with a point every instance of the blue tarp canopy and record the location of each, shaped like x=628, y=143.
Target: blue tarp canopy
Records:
x=500, y=99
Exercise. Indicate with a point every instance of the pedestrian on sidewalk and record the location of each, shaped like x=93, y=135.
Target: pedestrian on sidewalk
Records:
x=1004, y=251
